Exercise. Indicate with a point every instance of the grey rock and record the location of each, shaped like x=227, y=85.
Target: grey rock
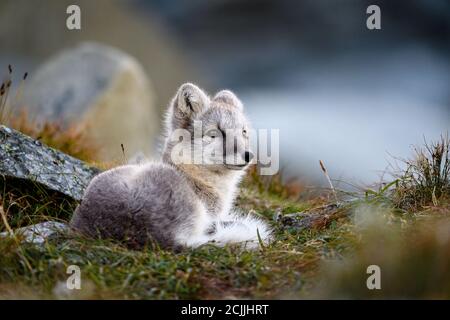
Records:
x=25, y=158
x=102, y=88
x=39, y=233
x=316, y=218
x=298, y=220
x=64, y=86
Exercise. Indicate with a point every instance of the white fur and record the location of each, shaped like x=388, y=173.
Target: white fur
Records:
x=237, y=229
x=243, y=230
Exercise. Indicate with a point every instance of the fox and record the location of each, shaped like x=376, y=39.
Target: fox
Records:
x=177, y=204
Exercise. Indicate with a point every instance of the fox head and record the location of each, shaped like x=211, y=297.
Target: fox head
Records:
x=212, y=132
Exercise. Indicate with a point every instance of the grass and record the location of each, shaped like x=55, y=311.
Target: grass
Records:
x=426, y=180
x=25, y=204
x=410, y=243
x=4, y=90
x=110, y=270
x=294, y=266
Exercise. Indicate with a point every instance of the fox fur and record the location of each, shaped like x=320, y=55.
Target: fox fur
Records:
x=178, y=205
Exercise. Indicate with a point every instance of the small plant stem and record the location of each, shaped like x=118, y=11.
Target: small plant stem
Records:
x=325, y=171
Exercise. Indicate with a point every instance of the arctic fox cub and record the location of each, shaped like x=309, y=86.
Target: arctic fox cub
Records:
x=180, y=203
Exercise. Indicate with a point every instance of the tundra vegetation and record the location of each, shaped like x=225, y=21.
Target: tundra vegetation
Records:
x=325, y=239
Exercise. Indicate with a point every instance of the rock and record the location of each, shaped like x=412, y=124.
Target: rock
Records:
x=103, y=88
x=25, y=158
x=315, y=218
x=39, y=233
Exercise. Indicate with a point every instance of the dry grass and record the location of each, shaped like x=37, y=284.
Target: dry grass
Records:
x=70, y=139
x=5, y=89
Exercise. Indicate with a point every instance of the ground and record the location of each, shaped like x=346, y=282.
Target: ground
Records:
x=324, y=258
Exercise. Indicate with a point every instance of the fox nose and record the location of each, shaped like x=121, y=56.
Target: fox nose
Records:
x=248, y=156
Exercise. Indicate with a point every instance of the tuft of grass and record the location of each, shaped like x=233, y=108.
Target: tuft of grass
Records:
x=426, y=180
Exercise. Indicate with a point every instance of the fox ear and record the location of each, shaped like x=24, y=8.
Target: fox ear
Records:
x=228, y=97
x=190, y=100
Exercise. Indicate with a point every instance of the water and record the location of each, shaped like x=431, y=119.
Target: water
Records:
x=355, y=114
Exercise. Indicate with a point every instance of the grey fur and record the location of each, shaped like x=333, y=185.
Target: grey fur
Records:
x=176, y=205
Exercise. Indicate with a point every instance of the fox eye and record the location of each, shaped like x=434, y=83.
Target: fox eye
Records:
x=212, y=133
x=244, y=132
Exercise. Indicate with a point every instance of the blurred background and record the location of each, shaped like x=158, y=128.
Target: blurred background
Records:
x=336, y=90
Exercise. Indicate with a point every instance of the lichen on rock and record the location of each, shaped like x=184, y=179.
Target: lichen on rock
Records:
x=25, y=158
